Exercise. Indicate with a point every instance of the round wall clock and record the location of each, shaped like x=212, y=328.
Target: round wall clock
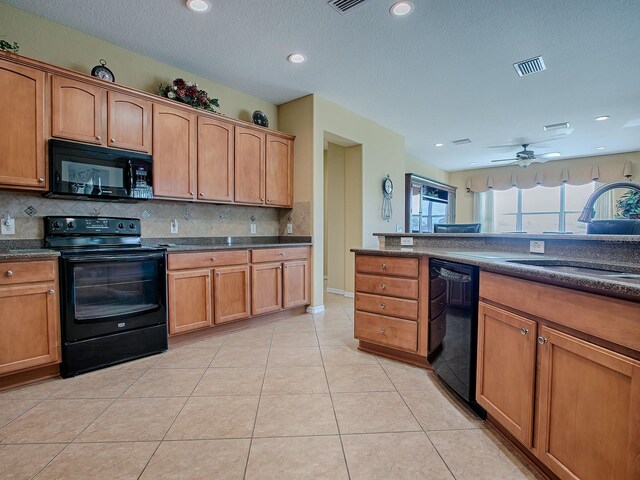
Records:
x=259, y=118
x=101, y=71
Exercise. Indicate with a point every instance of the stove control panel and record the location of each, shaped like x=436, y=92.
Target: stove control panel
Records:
x=91, y=226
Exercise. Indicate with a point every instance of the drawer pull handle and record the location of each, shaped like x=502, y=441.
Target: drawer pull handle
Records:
x=383, y=286
x=382, y=305
x=98, y=137
x=524, y=331
x=213, y=259
x=383, y=266
x=382, y=330
x=217, y=274
x=52, y=291
x=8, y=273
x=113, y=139
x=40, y=180
x=542, y=340
x=282, y=254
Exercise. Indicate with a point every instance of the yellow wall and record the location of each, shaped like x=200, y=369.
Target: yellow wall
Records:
x=413, y=165
x=335, y=217
x=464, y=209
x=354, y=212
x=54, y=43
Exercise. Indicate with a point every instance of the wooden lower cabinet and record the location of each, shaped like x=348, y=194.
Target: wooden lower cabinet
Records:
x=266, y=288
x=190, y=304
x=231, y=294
x=295, y=284
x=588, y=409
x=506, y=369
x=388, y=331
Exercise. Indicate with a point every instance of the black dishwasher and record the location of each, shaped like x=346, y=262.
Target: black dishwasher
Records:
x=453, y=326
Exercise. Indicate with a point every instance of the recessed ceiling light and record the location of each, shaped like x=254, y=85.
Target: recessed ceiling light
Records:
x=602, y=117
x=472, y=163
x=552, y=155
x=439, y=145
x=296, y=58
x=401, y=9
x=600, y=148
x=199, y=6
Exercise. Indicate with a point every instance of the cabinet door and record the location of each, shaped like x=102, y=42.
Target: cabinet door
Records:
x=231, y=293
x=249, y=166
x=266, y=288
x=78, y=111
x=279, y=171
x=295, y=284
x=22, y=145
x=129, y=124
x=506, y=369
x=588, y=411
x=215, y=160
x=189, y=300
x=174, y=152
x=31, y=338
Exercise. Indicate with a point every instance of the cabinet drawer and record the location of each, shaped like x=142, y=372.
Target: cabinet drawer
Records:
x=279, y=254
x=395, y=287
x=215, y=258
x=401, y=267
x=396, y=307
x=391, y=332
x=12, y=273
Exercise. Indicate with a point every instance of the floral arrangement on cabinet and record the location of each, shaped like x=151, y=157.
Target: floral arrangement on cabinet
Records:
x=189, y=93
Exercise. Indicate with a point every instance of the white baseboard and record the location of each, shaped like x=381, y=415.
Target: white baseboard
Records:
x=335, y=290
x=318, y=309
x=349, y=294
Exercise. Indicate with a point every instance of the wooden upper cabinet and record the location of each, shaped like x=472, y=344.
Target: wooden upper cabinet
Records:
x=174, y=152
x=78, y=111
x=249, y=166
x=295, y=284
x=506, y=369
x=588, y=411
x=129, y=122
x=278, y=171
x=215, y=160
x=231, y=293
x=22, y=144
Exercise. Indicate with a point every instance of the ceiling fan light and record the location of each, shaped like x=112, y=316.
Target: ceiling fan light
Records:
x=524, y=162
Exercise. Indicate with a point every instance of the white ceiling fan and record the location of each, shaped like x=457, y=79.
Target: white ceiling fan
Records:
x=525, y=157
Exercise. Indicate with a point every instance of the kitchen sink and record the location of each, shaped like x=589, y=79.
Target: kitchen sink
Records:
x=583, y=268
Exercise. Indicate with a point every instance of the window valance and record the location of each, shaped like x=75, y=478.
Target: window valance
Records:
x=550, y=176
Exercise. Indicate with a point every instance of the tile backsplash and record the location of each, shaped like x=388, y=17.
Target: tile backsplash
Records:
x=194, y=219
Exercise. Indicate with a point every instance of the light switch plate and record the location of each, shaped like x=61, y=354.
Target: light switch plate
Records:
x=406, y=241
x=536, y=246
x=174, y=225
x=399, y=229
x=253, y=229
x=8, y=226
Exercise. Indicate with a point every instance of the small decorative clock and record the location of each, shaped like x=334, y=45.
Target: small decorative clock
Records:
x=101, y=71
x=387, y=191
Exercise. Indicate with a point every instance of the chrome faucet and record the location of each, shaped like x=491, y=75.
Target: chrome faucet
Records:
x=588, y=211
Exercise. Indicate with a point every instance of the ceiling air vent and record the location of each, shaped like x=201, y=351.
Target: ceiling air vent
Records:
x=462, y=141
x=345, y=6
x=556, y=126
x=527, y=67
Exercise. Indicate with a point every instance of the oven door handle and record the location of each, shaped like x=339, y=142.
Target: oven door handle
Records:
x=114, y=258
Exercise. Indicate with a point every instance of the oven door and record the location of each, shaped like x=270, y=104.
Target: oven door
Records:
x=110, y=293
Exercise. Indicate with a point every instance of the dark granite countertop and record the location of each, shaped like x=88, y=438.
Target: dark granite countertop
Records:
x=25, y=254
x=238, y=246
x=498, y=262
x=525, y=236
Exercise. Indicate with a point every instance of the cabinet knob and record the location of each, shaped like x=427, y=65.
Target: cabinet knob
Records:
x=113, y=139
x=213, y=259
x=201, y=194
x=262, y=199
x=8, y=273
x=524, y=331
x=282, y=254
x=52, y=291
x=286, y=266
x=383, y=266
x=40, y=180
x=280, y=267
x=268, y=200
x=542, y=340
x=383, y=286
x=217, y=274
x=382, y=305
x=190, y=193
x=382, y=330
x=98, y=137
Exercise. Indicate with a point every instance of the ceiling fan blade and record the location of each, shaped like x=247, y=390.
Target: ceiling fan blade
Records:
x=503, y=160
x=523, y=141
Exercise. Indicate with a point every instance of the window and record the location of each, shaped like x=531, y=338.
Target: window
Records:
x=539, y=209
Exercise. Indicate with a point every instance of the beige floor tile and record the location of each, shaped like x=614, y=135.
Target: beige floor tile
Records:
x=373, y=412
x=12, y=408
x=199, y=460
x=186, y=358
x=346, y=355
x=343, y=324
x=140, y=364
x=230, y=381
x=18, y=462
x=295, y=339
x=35, y=391
x=438, y=409
x=337, y=337
x=134, y=419
x=393, y=456
x=295, y=380
x=251, y=337
x=162, y=382
x=101, y=384
x=53, y=421
x=290, y=415
x=358, y=378
x=478, y=455
x=100, y=461
x=241, y=356
x=296, y=458
x=408, y=378
x=209, y=342
x=289, y=325
x=204, y=418
x=295, y=356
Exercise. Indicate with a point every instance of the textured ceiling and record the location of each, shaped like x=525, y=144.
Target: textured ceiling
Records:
x=443, y=73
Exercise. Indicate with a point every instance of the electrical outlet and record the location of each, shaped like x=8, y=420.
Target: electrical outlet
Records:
x=536, y=246
x=399, y=229
x=406, y=241
x=174, y=225
x=289, y=228
x=253, y=228
x=8, y=226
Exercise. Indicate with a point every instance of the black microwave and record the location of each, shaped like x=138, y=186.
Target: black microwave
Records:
x=96, y=173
